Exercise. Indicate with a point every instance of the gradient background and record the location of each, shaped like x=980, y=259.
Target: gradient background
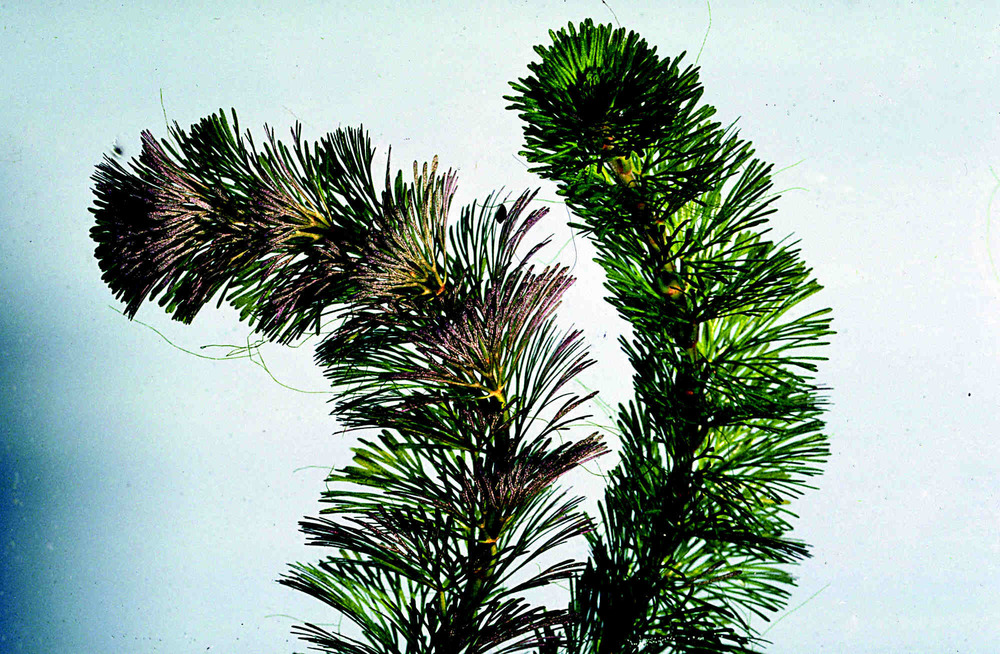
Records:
x=149, y=497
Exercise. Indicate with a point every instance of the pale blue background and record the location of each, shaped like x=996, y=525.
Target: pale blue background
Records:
x=149, y=497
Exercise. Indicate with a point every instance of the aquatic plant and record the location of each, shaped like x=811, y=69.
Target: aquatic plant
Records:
x=447, y=357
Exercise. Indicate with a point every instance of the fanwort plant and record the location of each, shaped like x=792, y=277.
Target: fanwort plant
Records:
x=448, y=360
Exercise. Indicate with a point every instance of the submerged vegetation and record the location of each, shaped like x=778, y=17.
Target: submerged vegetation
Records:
x=447, y=358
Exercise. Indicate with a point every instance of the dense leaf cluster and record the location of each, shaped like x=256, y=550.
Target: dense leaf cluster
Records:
x=446, y=347
x=724, y=430
x=445, y=519
x=275, y=231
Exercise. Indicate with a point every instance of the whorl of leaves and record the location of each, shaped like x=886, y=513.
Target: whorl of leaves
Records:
x=406, y=255
x=598, y=92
